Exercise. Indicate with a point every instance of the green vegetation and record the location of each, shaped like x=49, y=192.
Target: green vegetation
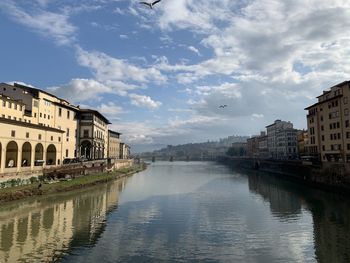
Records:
x=40, y=188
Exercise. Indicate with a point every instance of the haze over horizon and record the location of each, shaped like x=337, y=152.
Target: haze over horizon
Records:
x=160, y=75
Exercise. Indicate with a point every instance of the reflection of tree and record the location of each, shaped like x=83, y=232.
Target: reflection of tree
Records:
x=330, y=213
x=43, y=229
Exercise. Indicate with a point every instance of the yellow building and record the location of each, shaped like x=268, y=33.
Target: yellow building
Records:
x=26, y=147
x=47, y=110
x=93, y=134
x=329, y=124
x=113, y=144
x=39, y=129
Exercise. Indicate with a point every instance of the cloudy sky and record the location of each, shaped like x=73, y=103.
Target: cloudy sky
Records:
x=160, y=75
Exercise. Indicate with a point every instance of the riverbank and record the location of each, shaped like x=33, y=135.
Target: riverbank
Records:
x=333, y=177
x=39, y=189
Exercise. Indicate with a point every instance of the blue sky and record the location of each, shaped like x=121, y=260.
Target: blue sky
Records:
x=160, y=75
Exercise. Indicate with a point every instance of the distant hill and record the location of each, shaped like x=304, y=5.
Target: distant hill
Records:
x=194, y=151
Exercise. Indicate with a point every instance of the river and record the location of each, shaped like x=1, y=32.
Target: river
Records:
x=180, y=212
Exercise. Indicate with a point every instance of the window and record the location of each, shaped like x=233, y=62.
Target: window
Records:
x=4, y=103
x=338, y=124
x=338, y=136
x=323, y=148
x=59, y=139
x=348, y=146
x=13, y=133
x=86, y=133
x=322, y=128
x=347, y=123
x=347, y=135
x=321, y=118
x=34, y=115
x=41, y=115
x=51, y=138
x=39, y=136
x=44, y=116
x=27, y=134
x=66, y=152
x=346, y=112
x=60, y=112
x=68, y=114
x=10, y=105
x=48, y=116
x=322, y=137
x=36, y=104
x=330, y=126
x=67, y=134
x=15, y=106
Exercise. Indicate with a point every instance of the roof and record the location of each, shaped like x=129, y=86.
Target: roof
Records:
x=320, y=102
x=11, y=99
x=96, y=113
x=338, y=85
x=114, y=132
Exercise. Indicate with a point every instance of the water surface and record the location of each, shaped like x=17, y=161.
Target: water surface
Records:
x=180, y=212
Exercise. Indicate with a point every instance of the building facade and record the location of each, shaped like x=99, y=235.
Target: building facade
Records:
x=40, y=130
x=113, y=145
x=329, y=125
x=43, y=109
x=272, y=136
x=93, y=134
x=287, y=143
x=124, y=151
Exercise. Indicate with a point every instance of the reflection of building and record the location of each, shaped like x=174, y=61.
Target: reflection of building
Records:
x=41, y=231
x=328, y=123
x=283, y=203
x=113, y=144
x=93, y=137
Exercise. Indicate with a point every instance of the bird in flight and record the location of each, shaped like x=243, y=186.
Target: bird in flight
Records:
x=223, y=106
x=150, y=5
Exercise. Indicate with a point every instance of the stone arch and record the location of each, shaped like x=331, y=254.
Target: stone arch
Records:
x=51, y=155
x=86, y=149
x=39, y=154
x=26, y=154
x=11, y=154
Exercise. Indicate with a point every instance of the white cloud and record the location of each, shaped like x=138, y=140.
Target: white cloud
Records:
x=195, y=50
x=48, y=24
x=108, y=69
x=123, y=37
x=144, y=101
x=110, y=109
x=80, y=90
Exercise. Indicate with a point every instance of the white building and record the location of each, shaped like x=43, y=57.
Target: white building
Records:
x=281, y=138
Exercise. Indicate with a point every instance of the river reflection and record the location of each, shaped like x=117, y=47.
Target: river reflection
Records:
x=44, y=229
x=181, y=212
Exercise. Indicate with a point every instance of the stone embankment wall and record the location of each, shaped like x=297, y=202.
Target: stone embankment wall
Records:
x=330, y=176
x=70, y=170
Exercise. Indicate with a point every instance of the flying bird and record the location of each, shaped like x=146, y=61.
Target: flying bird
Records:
x=150, y=5
x=223, y=106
